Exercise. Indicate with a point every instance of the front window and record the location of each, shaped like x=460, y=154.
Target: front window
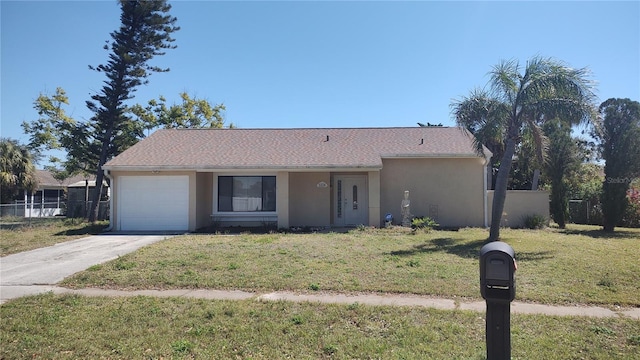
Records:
x=247, y=193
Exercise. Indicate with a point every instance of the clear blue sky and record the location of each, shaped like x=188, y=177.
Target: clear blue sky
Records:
x=317, y=64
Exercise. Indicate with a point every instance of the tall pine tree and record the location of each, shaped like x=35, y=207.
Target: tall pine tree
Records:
x=563, y=159
x=619, y=137
x=145, y=32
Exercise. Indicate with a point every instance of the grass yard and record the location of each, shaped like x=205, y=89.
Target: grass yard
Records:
x=20, y=234
x=580, y=265
x=73, y=327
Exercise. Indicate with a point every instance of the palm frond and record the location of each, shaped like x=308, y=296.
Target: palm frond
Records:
x=540, y=140
x=484, y=117
x=505, y=80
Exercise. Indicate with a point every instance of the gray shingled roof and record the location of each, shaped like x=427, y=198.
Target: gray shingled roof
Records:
x=46, y=179
x=290, y=148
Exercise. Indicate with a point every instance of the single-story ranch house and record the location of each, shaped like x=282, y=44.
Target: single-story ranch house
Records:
x=187, y=179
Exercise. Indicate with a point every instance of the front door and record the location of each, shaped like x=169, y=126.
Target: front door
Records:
x=351, y=200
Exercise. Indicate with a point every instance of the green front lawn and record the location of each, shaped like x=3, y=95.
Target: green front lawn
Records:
x=74, y=327
x=578, y=265
x=20, y=234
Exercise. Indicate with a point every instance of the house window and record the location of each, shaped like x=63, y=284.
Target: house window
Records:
x=247, y=193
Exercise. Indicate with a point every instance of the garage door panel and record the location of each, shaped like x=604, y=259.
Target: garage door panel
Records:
x=153, y=202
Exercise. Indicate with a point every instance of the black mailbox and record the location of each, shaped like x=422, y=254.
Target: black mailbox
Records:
x=497, y=272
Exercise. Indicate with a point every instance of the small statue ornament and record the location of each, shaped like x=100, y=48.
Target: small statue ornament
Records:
x=405, y=210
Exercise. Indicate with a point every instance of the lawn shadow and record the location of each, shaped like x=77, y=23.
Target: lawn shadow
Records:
x=599, y=233
x=87, y=229
x=467, y=250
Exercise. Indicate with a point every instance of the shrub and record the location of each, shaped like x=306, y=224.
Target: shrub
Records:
x=631, y=216
x=535, y=221
x=424, y=223
x=314, y=287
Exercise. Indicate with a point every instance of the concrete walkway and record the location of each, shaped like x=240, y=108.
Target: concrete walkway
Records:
x=37, y=271
x=332, y=298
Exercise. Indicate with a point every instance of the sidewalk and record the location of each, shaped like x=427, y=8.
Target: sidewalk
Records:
x=9, y=292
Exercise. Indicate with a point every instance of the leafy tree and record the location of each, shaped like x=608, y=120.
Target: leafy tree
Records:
x=525, y=163
x=631, y=216
x=54, y=129
x=586, y=185
x=563, y=159
x=586, y=182
x=190, y=113
x=17, y=171
x=522, y=102
x=619, y=136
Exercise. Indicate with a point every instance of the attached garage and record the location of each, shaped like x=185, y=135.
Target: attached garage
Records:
x=158, y=203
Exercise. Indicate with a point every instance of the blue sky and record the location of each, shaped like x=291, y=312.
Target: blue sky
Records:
x=317, y=64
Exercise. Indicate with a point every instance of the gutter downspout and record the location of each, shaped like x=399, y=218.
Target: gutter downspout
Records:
x=107, y=174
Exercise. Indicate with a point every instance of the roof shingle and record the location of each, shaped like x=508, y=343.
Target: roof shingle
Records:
x=291, y=148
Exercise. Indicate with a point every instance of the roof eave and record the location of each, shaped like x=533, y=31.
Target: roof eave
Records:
x=242, y=168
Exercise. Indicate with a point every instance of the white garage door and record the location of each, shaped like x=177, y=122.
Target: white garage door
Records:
x=153, y=203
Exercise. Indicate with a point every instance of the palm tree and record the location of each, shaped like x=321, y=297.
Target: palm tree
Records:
x=517, y=104
x=16, y=169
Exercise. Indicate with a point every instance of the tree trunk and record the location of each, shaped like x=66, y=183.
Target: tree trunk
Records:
x=500, y=192
x=559, y=202
x=95, y=202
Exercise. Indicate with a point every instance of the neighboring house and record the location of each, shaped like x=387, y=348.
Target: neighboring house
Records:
x=191, y=178
x=55, y=198
x=80, y=195
x=49, y=197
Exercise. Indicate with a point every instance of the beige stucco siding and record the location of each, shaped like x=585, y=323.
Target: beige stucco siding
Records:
x=204, y=199
x=519, y=204
x=373, y=182
x=450, y=190
x=309, y=204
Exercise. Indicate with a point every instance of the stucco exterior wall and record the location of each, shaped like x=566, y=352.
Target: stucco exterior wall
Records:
x=204, y=199
x=519, y=204
x=282, y=199
x=373, y=182
x=309, y=205
x=449, y=190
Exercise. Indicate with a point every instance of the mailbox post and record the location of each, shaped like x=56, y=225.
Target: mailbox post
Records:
x=498, y=288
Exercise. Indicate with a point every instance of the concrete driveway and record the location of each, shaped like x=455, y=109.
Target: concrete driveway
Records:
x=33, y=272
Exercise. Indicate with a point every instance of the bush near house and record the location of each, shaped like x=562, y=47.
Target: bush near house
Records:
x=424, y=223
x=535, y=221
x=631, y=216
